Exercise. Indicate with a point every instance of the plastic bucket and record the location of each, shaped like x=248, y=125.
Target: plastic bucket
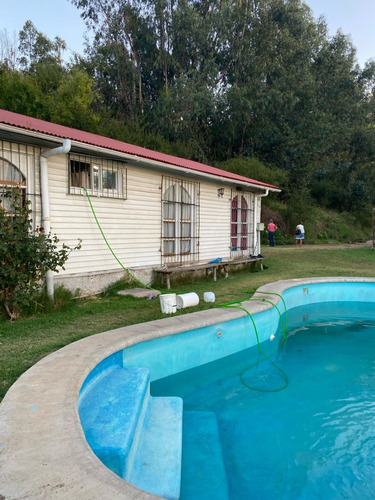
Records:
x=187, y=300
x=168, y=303
x=209, y=297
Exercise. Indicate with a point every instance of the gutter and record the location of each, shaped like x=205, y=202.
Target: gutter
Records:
x=146, y=161
x=44, y=191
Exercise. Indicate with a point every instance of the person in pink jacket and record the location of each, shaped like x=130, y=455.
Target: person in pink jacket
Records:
x=271, y=228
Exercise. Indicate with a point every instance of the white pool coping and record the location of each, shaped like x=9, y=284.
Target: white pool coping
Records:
x=43, y=451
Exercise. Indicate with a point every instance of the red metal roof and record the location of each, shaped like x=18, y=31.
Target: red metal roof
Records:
x=53, y=129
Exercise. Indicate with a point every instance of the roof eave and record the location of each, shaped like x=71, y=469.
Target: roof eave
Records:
x=50, y=138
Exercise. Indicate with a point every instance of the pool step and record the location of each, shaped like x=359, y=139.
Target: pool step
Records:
x=157, y=465
x=135, y=435
x=112, y=410
x=203, y=470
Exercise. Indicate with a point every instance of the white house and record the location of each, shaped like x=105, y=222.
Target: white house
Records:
x=148, y=209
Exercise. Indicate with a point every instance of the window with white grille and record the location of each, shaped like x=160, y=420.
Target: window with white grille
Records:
x=100, y=176
x=180, y=220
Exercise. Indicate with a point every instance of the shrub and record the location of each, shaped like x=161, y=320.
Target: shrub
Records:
x=25, y=256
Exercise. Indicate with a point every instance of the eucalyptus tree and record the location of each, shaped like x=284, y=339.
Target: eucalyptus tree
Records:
x=156, y=61
x=270, y=83
x=231, y=78
x=8, y=49
x=123, y=54
x=35, y=47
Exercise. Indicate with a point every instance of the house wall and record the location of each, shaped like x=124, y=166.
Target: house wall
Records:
x=132, y=226
x=215, y=220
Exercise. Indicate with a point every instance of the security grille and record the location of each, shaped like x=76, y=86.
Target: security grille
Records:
x=180, y=221
x=17, y=171
x=100, y=176
x=241, y=224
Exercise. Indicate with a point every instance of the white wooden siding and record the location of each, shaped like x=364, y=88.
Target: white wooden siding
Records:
x=215, y=223
x=215, y=237
x=132, y=227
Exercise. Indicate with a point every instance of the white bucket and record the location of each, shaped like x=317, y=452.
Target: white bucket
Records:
x=209, y=297
x=187, y=300
x=168, y=303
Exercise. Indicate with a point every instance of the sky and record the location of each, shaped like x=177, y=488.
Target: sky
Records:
x=61, y=18
x=354, y=17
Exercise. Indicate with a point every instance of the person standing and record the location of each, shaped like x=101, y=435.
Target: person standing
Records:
x=300, y=234
x=271, y=228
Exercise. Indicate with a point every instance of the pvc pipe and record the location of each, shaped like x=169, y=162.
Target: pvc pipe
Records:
x=257, y=233
x=44, y=192
x=187, y=300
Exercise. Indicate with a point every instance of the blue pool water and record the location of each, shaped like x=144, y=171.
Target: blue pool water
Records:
x=313, y=440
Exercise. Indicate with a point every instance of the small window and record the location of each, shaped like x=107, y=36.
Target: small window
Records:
x=109, y=179
x=100, y=176
x=80, y=174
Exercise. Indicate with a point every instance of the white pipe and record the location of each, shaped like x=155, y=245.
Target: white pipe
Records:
x=44, y=191
x=256, y=232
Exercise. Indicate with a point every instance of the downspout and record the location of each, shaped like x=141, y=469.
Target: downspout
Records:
x=256, y=231
x=44, y=192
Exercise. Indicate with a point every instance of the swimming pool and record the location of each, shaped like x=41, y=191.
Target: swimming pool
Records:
x=316, y=439
x=237, y=442
x=43, y=450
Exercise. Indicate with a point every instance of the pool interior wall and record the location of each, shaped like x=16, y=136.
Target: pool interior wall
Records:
x=226, y=338
x=43, y=449
x=162, y=357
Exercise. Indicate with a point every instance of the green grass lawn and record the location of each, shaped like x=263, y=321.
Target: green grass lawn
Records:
x=25, y=341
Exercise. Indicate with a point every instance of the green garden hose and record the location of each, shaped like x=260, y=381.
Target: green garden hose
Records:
x=283, y=327
x=109, y=246
x=278, y=295
x=238, y=305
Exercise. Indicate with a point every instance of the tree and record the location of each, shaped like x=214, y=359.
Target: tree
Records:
x=73, y=102
x=35, y=47
x=25, y=256
x=123, y=53
x=8, y=49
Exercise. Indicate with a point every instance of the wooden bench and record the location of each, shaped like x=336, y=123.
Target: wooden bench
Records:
x=208, y=266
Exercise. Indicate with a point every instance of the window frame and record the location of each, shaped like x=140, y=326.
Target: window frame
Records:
x=95, y=181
